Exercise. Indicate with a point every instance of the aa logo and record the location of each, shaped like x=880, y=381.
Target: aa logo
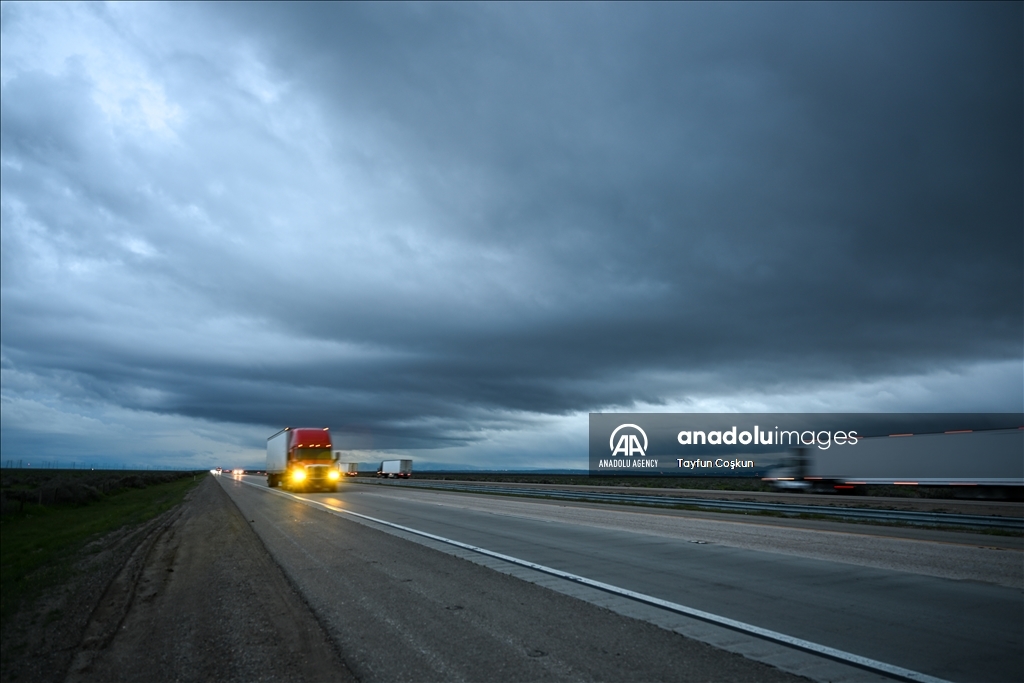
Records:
x=628, y=443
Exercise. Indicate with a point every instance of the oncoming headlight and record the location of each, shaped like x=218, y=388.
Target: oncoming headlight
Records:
x=333, y=474
x=298, y=474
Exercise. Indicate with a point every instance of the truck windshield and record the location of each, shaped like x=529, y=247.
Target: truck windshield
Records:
x=313, y=454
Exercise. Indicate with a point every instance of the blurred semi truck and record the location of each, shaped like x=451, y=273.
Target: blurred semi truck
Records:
x=300, y=459
x=983, y=464
x=395, y=469
x=347, y=469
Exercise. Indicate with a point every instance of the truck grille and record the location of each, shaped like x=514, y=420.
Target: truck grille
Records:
x=317, y=473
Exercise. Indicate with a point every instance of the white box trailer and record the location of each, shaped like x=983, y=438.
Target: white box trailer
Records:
x=395, y=469
x=988, y=461
x=277, y=453
x=347, y=469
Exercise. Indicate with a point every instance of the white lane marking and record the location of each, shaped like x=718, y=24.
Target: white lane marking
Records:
x=798, y=643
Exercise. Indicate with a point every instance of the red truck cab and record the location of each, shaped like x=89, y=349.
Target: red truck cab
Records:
x=300, y=458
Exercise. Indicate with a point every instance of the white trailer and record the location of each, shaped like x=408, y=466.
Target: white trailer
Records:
x=347, y=469
x=277, y=456
x=395, y=469
x=988, y=462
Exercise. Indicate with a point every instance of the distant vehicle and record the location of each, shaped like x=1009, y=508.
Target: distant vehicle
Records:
x=985, y=463
x=300, y=459
x=225, y=471
x=349, y=469
x=395, y=469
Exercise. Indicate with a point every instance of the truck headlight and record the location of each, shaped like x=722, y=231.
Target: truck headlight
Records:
x=298, y=475
x=333, y=475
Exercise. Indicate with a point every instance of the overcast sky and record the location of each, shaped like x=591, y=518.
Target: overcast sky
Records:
x=452, y=231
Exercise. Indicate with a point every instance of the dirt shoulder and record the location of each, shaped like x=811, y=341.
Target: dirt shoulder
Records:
x=206, y=603
x=39, y=640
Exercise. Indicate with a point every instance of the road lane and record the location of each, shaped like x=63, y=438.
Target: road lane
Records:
x=954, y=555
x=399, y=611
x=961, y=630
x=966, y=506
x=865, y=510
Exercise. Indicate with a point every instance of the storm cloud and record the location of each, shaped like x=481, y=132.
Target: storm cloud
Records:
x=454, y=228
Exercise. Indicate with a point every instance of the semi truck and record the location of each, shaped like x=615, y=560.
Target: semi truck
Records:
x=395, y=469
x=983, y=463
x=300, y=459
x=347, y=469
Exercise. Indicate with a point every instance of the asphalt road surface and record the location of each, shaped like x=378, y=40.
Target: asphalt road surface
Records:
x=400, y=611
x=947, y=604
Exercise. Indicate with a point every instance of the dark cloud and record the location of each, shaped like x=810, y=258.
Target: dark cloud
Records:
x=422, y=223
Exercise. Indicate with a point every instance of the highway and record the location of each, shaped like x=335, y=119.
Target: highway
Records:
x=791, y=507
x=946, y=605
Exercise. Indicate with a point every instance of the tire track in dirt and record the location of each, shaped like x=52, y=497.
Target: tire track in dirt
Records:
x=201, y=599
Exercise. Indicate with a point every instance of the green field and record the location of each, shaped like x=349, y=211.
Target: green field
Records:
x=41, y=543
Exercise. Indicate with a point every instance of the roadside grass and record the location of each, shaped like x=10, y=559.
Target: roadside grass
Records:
x=42, y=542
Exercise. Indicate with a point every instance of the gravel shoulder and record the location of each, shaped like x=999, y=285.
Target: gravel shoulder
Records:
x=206, y=602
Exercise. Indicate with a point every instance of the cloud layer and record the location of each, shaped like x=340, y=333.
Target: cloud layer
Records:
x=446, y=227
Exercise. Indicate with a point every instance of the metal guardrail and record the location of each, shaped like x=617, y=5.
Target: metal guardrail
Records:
x=860, y=514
